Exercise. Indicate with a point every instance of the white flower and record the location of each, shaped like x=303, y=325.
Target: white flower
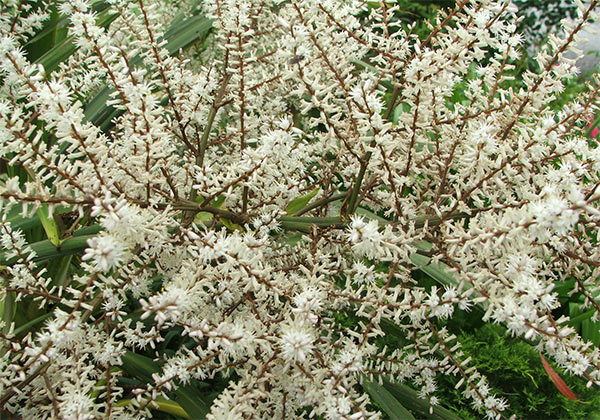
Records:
x=296, y=344
x=106, y=252
x=167, y=306
x=363, y=274
x=77, y=405
x=452, y=150
x=365, y=237
x=12, y=185
x=308, y=305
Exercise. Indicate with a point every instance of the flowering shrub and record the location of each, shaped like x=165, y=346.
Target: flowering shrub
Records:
x=253, y=214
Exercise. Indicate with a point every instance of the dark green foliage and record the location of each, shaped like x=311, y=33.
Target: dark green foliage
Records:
x=515, y=372
x=538, y=17
x=541, y=15
x=419, y=12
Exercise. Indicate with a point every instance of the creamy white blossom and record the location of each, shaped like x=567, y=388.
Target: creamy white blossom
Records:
x=251, y=211
x=105, y=251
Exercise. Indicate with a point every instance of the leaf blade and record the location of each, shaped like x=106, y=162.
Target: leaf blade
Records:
x=557, y=380
x=408, y=397
x=387, y=401
x=140, y=366
x=162, y=405
x=299, y=203
x=49, y=224
x=192, y=403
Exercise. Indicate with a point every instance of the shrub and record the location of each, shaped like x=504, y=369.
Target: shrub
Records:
x=289, y=215
x=514, y=371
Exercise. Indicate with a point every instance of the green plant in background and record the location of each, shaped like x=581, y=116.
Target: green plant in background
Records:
x=288, y=209
x=514, y=371
x=539, y=17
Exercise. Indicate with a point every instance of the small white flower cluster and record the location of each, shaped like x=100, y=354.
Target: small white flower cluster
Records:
x=269, y=199
x=105, y=251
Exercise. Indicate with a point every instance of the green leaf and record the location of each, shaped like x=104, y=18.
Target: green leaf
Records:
x=194, y=405
x=436, y=271
x=100, y=383
x=218, y=202
x=299, y=203
x=140, y=366
x=23, y=223
x=61, y=24
x=576, y=316
x=370, y=215
x=65, y=48
x=46, y=250
x=171, y=407
x=590, y=331
x=26, y=327
x=230, y=225
x=19, y=222
x=182, y=34
x=302, y=223
x=409, y=398
x=392, y=329
x=188, y=397
x=162, y=405
x=203, y=218
x=387, y=401
x=563, y=288
x=9, y=308
x=56, y=55
x=52, y=27
x=400, y=109
x=291, y=238
x=580, y=320
x=46, y=39
x=49, y=224
x=366, y=66
x=58, y=269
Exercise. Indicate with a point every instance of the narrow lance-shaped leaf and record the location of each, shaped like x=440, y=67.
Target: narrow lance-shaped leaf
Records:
x=45, y=250
x=421, y=407
x=8, y=310
x=26, y=327
x=65, y=48
x=188, y=397
x=163, y=405
x=590, y=331
x=575, y=321
x=558, y=381
x=62, y=22
x=387, y=401
x=188, y=400
x=49, y=224
x=299, y=203
x=140, y=366
x=231, y=225
x=58, y=269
